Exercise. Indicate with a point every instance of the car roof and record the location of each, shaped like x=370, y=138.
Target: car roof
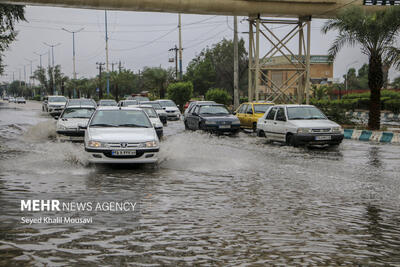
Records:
x=211, y=104
x=106, y=100
x=294, y=105
x=260, y=103
x=117, y=108
x=80, y=106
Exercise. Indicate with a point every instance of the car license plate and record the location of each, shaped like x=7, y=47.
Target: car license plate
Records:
x=75, y=138
x=123, y=152
x=224, y=126
x=323, y=137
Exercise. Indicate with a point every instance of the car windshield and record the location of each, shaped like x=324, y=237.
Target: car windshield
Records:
x=78, y=113
x=261, y=108
x=305, y=113
x=57, y=99
x=130, y=102
x=81, y=102
x=150, y=112
x=107, y=103
x=167, y=103
x=120, y=118
x=213, y=110
x=156, y=106
x=141, y=98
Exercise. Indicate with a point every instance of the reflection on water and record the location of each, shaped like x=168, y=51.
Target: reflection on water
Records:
x=212, y=200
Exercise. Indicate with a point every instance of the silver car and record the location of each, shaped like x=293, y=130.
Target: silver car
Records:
x=121, y=135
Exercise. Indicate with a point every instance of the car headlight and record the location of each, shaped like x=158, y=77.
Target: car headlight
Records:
x=303, y=130
x=211, y=122
x=151, y=144
x=337, y=129
x=96, y=144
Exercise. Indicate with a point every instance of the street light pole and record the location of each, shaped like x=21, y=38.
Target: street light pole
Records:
x=107, y=68
x=40, y=57
x=53, y=72
x=180, y=47
x=73, y=54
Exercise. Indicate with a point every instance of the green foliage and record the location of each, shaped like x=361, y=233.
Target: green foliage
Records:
x=376, y=33
x=156, y=80
x=180, y=93
x=219, y=96
x=9, y=16
x=37, y=98
x=213, y=68
x=396, y=83
x=244, y=100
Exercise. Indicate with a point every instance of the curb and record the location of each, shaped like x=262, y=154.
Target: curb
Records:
x=375, y=136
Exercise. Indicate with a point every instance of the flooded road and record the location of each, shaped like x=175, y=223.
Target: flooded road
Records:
x=219, y=201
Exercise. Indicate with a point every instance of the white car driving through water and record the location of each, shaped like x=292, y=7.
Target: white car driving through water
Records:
x=154, y=119
x=121, y=135
x=70, y=122
x=170, y=107
x=299, y=125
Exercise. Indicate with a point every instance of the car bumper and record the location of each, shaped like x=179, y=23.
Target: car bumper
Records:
x=55, y=111
x=173, y=116
x=218, y=128
x=74, y=136
x=104, y=156
x=312, y=139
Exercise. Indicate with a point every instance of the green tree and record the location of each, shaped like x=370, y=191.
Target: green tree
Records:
x=213, y=67
x=180, y=93
x=156, y=80
x=220, y=96
x=9, y=15
x=376, y=34
x=396, y=83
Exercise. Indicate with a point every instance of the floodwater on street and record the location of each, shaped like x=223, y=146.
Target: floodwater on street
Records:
x=211, y=200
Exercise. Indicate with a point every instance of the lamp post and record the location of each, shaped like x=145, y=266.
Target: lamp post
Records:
x=73, y=54
x=52, y=56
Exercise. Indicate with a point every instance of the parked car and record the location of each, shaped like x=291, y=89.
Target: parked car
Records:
x=299, y=125
x=193, y=103
x=170, y=107
x=54, y=105
x=155, y=120
x=125, y=103
x=71, y=120
x=213, y=118
x=140, y=99
x=76, y=102
x=121, y=135
x=11, y=100
x=249, y=113
x=162, y=114
x=5, y=98
x=108, y=102
x=20, y=100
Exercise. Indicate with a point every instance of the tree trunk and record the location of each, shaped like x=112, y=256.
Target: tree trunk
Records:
x=375, y=82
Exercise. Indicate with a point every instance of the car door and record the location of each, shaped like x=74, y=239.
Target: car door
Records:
x=241, y=114
x=193, y=118
x=249, y=115
x=280, y=124
x=269, y=124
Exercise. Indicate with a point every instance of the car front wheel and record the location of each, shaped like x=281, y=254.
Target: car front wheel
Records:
x=291, y=140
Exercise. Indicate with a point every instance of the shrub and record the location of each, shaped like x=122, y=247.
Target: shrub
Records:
x=393, y=105
x=180, y=93
x=219, y=96
x=37, y=98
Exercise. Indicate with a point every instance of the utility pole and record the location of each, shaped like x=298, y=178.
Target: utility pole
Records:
x=53, y=72
x=235, y=65
x=100, y=68
x=180, y=48
x=30, y=77
x=73, y=55
x=108, y=70
x=176, y=60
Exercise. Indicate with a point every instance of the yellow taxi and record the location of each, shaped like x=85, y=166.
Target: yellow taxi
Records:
x=248, y=113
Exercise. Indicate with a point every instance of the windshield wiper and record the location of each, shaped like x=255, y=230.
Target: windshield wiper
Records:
x=298, y=118
x=316, y=118
x=102, y=125
x=133, y=125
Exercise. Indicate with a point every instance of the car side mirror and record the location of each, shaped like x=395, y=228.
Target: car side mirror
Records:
x=234, y=113
x=164, y=108
x=56, y=117
x=84, y=127
x=178, y=106
x=194, y=114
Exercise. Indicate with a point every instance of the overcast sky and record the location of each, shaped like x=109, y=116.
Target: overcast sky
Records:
x=137, y=39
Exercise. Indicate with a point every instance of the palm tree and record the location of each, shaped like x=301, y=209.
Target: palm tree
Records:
x=376, y=34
